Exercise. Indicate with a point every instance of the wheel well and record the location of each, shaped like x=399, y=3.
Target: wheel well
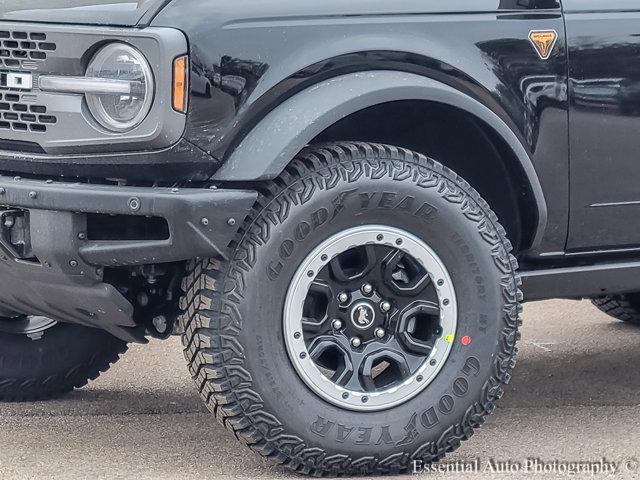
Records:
x=459, y=141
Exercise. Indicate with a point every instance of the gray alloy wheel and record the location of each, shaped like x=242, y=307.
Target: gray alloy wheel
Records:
x=366, y=348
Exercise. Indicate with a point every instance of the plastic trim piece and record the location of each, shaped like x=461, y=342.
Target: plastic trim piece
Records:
x=581, y=282
x=64, y=279
x=270, y=146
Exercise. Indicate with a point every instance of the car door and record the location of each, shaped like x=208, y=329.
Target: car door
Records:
x=603, y=38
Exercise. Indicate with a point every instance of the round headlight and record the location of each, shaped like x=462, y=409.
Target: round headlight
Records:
x=120, y=111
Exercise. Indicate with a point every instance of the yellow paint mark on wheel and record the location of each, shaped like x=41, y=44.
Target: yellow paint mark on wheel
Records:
x=449, y=338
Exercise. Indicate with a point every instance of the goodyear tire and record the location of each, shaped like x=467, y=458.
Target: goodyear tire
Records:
x=622, y=307
x=41, y=359
x=322, y=245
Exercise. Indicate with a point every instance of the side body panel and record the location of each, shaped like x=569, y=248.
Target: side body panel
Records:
x=604, y=59
x=250, y=57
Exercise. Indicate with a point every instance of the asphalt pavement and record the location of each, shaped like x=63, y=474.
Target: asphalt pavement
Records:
x=573, y=398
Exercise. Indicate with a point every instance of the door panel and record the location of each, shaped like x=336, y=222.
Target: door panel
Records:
x=604, y=90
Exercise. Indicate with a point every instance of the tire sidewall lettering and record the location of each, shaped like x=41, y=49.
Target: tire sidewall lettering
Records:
x=402, y=435
x=361, y=201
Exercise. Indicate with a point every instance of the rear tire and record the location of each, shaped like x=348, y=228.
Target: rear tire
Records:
x=622, y=307
x=54, y=361
x=233, y=312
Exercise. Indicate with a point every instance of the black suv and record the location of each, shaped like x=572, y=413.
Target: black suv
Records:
x=340, y=205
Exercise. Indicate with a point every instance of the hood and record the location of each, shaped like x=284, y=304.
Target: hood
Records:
x=122, y=13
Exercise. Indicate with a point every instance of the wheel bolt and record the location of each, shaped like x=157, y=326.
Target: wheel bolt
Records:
x=385, y=306
x=356, y=342
x=367, y=289
x=343, y=297
x=337, y=324
x=380, y=333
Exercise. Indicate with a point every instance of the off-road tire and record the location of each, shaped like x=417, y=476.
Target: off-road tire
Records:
x=64, y=358
x=232, y=317
x=622, y=307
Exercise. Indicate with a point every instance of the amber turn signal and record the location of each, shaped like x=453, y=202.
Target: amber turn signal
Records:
x=180, y=84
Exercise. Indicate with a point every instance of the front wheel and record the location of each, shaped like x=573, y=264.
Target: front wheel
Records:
x=42, y=359
x=368, y=317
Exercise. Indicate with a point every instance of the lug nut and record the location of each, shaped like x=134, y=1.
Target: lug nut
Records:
x=336, y=324
x=380, y=333
x=343, y=297
x=367, y=289
x=356, y=342
x=385, y=306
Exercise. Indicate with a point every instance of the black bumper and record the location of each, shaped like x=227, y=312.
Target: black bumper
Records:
x=63, y=279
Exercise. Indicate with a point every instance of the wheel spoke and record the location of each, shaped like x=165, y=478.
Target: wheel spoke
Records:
x=353, y=264
x=331, y=357
x=315, y=313
x=384, y=368
x=311, y=325
x=404, y=275
x=419, y=327
x=352, y=381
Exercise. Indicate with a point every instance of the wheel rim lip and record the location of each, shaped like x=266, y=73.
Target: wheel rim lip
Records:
x=299, y=287
x=26, y=325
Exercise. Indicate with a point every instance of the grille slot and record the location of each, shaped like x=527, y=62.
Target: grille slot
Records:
x=17, y=115
x=18, y=46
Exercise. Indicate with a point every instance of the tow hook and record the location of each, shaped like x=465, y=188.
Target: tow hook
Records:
x=15, y=234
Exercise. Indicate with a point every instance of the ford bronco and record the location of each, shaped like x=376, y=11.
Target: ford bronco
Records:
x=340, y=206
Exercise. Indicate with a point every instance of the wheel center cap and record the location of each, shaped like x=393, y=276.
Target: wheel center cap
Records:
x=362, y=315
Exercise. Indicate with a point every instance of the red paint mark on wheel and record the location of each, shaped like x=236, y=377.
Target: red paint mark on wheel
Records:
x=466, y=340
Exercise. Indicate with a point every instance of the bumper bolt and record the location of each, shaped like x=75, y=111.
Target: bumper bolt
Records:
x=385, y=306
x=380, y=333
x=2, y=191
x=33, y=195
x=134, y=204
x=204, y=221
x=160, y=324
x=343, y=297
x=73, y=263
x=356, y=342
x=231, y=222
x=367, y=289
x=82, y=236
x=337, y=324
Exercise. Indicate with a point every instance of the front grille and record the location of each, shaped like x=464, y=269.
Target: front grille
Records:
x=17, y=47
x=58, y=123
x=17, y=115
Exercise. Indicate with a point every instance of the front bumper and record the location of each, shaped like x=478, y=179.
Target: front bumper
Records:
x=63, y=276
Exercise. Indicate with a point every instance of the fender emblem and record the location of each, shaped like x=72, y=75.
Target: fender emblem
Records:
x=543, y=41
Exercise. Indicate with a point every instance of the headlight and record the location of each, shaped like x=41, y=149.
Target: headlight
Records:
x=127, y=107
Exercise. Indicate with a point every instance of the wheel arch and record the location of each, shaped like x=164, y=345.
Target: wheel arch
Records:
x=269, y=147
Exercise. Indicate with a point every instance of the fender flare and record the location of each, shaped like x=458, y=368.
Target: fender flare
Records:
x=267, y=149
